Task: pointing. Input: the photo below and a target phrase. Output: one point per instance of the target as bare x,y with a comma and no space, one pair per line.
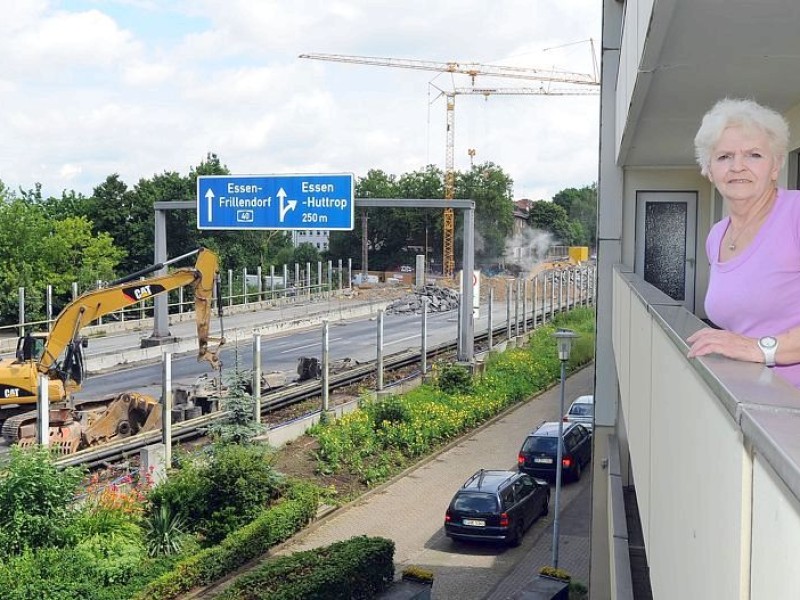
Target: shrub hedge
358,568
382,437
273,526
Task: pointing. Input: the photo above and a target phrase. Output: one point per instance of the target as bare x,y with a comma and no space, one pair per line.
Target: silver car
581,411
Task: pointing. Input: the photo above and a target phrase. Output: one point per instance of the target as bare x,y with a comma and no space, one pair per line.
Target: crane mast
472,70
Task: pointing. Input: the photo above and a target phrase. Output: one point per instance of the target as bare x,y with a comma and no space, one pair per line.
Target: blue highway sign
275,201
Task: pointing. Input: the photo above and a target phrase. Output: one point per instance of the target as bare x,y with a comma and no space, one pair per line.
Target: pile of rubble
440,299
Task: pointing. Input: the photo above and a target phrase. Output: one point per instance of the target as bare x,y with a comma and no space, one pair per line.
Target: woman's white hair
747,114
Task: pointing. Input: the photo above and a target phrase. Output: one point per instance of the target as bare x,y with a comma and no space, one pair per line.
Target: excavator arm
96,303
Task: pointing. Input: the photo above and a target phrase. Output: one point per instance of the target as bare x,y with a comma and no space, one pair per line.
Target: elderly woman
754,253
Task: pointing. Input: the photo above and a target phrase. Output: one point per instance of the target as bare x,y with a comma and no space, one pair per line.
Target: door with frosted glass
665,242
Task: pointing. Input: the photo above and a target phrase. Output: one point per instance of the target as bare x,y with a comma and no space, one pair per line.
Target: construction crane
472,70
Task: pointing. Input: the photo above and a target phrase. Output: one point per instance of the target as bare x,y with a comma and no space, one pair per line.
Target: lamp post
564,339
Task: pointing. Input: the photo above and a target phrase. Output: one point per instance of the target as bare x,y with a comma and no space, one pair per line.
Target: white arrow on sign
210,198
290,204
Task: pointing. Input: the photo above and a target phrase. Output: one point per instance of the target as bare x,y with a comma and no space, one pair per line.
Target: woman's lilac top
757,292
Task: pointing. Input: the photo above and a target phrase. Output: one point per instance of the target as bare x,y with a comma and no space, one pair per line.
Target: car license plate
474,522
545,461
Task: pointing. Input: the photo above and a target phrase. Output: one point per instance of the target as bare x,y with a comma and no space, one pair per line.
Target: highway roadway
354,339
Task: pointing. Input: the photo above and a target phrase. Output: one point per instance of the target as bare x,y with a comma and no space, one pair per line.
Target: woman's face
742,165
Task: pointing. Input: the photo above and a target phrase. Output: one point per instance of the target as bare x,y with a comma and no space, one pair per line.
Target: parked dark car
539,453
496,506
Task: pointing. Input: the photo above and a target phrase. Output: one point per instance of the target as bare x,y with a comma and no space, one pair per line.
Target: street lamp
564,339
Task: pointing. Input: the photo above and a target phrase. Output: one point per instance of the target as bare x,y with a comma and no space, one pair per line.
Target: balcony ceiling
711,49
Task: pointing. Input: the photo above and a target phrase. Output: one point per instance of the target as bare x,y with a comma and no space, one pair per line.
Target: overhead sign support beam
466,347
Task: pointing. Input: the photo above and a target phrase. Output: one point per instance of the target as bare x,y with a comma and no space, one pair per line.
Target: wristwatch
769,346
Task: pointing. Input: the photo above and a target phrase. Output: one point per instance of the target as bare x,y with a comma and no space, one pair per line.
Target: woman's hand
725,343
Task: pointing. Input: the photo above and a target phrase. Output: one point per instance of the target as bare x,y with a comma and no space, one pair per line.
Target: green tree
23,227
39,251
580,205
425,226
81,256
376,184
36,497
552,218
491,189
127,217
70,204
306,253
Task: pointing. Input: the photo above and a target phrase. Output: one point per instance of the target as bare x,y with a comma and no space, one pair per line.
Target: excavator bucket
128,414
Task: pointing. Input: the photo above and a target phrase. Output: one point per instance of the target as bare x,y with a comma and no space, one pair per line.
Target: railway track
127,448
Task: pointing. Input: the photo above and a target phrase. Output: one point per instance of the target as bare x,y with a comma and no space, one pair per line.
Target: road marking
314,345
411,337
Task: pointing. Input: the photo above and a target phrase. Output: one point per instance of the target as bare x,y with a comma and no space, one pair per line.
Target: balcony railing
713,449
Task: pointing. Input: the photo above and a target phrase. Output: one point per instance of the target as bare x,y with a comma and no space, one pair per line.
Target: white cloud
141,73
92,92
67,41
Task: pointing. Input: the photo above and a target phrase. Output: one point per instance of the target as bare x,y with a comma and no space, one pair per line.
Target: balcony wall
714,449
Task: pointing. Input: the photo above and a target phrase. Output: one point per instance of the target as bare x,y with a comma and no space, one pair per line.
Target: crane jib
142,292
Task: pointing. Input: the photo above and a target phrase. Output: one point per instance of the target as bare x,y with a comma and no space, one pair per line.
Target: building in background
317,238
521,209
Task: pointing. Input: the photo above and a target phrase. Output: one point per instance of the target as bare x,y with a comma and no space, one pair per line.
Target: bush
71,573
454,379
392,410
36,499
415,573
555,573
273,526
184,492
111,558
242,483
221,494
360,567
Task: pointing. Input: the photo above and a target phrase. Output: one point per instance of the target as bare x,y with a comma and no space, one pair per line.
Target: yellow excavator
41,353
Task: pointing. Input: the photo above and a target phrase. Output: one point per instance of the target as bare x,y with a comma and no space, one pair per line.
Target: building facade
317,238
710,446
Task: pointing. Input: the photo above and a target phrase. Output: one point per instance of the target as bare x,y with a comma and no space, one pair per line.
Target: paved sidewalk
574,548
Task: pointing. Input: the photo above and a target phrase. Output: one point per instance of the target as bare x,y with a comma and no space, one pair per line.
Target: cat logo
142,292
11,392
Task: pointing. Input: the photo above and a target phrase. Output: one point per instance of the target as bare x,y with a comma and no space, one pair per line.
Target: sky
90,88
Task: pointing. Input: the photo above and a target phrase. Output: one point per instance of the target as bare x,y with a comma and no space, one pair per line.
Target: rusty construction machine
58,356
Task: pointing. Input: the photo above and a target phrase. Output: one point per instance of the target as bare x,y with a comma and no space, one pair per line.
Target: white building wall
776,536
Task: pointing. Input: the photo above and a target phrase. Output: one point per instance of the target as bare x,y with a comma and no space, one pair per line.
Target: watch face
768,342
